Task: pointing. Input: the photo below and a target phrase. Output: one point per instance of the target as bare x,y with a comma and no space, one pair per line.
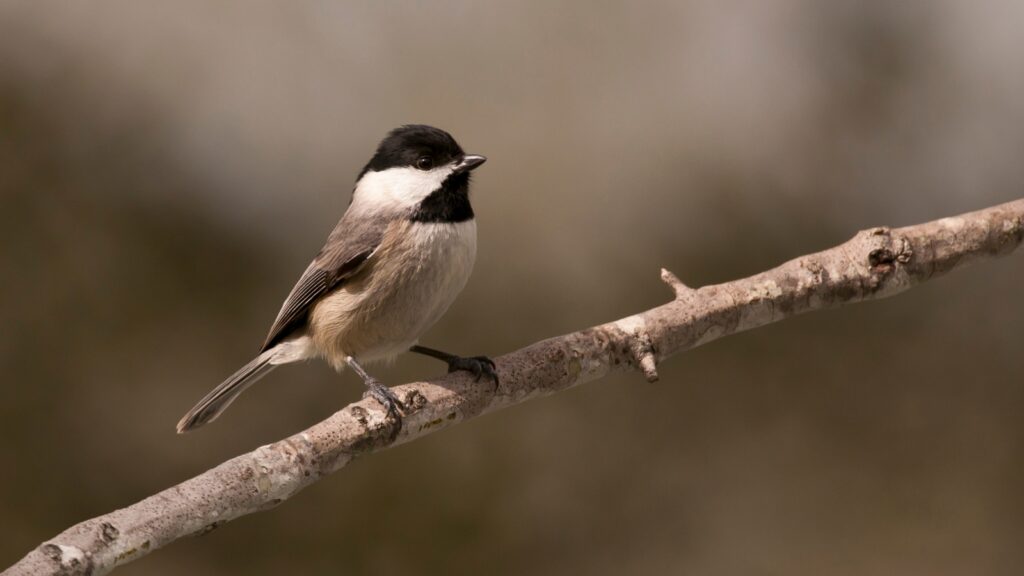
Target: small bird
392,266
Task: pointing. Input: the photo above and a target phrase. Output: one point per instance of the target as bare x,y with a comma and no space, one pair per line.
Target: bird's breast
404,288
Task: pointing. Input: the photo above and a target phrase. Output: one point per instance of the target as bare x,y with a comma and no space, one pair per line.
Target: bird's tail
210,407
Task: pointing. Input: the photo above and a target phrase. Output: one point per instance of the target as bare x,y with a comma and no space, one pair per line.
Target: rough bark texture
874,264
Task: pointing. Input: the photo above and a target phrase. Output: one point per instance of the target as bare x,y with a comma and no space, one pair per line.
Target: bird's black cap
406,145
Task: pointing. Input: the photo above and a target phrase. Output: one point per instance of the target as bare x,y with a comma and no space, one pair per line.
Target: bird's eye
424,162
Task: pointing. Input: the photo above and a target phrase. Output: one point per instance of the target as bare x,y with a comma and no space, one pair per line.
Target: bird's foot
381,393
479,366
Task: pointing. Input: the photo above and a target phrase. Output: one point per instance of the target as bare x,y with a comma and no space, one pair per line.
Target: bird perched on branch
392,266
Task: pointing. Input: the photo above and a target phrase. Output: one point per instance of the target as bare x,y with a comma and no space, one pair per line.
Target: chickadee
394,263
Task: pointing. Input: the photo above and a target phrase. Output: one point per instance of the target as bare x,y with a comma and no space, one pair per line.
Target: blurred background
167,170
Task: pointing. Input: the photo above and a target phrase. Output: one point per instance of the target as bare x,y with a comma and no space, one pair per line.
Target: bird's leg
477,365
378,392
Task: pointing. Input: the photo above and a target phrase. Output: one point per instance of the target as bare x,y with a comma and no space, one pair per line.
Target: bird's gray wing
348,248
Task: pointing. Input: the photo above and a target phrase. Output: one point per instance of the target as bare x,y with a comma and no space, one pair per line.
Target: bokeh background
167,169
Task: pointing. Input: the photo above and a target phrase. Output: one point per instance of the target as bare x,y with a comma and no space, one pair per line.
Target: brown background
168,169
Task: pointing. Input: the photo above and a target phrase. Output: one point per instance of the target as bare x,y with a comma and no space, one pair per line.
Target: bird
401,253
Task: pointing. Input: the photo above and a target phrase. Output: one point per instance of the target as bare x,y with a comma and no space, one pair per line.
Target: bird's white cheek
398,188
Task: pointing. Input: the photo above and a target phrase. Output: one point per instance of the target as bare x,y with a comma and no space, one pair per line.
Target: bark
874,264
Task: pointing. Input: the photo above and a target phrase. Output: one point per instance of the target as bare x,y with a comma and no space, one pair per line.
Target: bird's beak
469,162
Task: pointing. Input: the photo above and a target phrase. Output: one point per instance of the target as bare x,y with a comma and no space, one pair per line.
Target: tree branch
874,264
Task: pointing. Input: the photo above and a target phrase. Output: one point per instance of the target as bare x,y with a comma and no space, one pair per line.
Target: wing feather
348,247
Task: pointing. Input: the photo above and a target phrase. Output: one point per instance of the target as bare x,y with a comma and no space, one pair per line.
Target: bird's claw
479,366
381,393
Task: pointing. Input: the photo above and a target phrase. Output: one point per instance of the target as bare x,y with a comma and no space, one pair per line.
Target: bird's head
420,170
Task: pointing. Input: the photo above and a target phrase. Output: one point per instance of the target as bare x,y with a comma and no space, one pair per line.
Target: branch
874,264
